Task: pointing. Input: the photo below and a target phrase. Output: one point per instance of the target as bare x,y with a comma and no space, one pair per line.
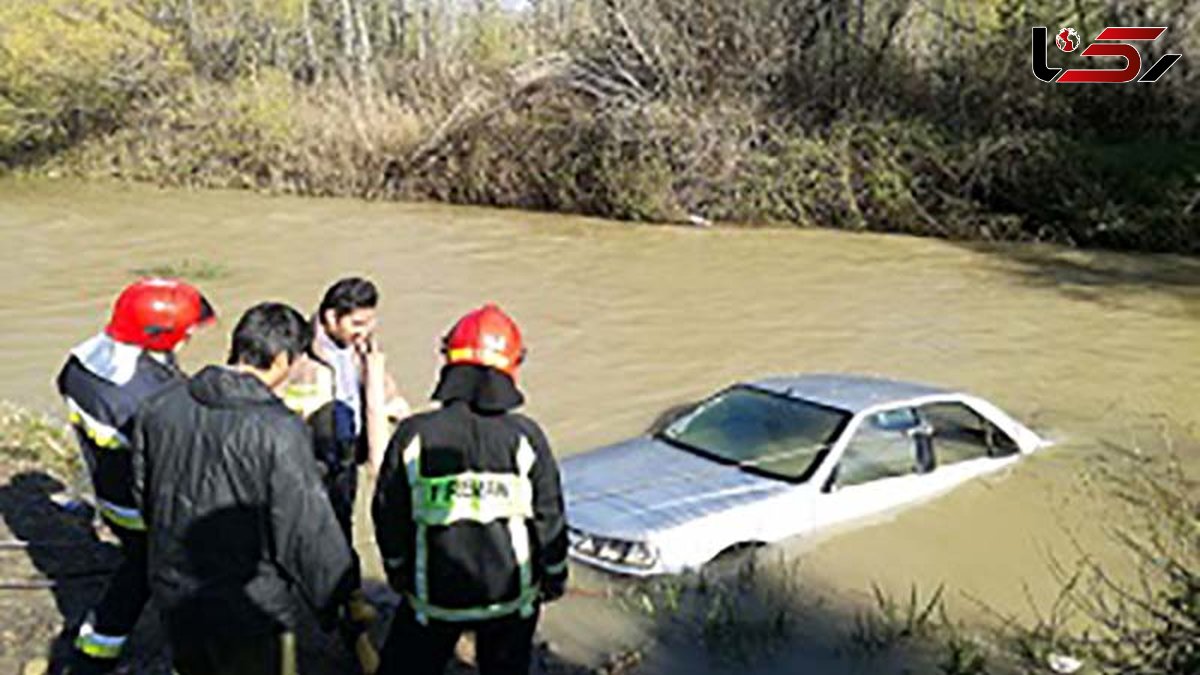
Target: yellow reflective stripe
123,516
412,467
101,434
523,604
303,398
98,645
484,356
480,497
473,496
412,460
555,570
420,573
518,529
518,532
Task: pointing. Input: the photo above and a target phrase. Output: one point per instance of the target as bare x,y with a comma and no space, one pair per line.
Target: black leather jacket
239,525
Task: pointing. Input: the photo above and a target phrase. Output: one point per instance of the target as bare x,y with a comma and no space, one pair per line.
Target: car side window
882,447
960,434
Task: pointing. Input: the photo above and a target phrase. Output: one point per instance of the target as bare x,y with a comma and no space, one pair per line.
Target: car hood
637,487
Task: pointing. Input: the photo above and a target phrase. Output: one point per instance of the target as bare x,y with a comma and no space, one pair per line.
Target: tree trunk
860,29
189,19
840,42
399,32
425,33
346,31
312,63
363,42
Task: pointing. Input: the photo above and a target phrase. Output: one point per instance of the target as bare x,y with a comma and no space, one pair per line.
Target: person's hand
366,344
374,372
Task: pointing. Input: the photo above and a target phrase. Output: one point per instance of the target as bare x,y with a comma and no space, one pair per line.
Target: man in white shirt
343,390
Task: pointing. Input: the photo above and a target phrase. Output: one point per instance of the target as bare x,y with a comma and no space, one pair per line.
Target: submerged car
774,458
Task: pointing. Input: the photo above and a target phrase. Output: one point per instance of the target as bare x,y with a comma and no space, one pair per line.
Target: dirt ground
52,570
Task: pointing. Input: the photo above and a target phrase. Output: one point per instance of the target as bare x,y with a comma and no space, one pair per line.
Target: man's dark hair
347,295
267,329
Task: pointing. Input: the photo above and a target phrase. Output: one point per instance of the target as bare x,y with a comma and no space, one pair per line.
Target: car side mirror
922,437
919,431
670,416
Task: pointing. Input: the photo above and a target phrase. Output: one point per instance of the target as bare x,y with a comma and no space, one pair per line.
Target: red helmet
158,314
486,337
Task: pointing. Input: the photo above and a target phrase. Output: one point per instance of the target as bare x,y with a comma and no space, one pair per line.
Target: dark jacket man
240,527
468,512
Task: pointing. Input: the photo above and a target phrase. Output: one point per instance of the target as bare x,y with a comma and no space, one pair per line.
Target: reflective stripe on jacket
468,514
101,411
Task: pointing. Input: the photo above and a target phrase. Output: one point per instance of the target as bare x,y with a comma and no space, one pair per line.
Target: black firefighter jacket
468,511
240,527
101,412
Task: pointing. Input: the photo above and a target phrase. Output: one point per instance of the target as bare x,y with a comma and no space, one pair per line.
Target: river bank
896,118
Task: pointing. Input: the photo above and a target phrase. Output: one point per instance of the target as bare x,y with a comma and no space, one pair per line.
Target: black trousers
342,486
502,646
122,603
264,655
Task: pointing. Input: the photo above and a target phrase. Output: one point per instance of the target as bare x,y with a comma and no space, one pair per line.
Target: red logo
1112,41
1067,40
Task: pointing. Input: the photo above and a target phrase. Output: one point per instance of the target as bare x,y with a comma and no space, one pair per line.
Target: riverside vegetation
914,116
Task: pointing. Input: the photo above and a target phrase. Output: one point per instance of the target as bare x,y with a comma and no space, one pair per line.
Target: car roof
852,393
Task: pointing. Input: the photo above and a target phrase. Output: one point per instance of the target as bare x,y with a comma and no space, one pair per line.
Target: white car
779,457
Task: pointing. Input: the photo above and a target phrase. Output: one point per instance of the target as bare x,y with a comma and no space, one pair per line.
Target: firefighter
468,511
342,389
104,382
240,526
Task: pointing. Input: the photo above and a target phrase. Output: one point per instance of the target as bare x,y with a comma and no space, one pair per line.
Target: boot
82,664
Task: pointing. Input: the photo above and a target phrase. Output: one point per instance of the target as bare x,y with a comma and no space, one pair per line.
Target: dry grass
31,439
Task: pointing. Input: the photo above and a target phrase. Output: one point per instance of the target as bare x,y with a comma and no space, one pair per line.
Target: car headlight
641,554
618,551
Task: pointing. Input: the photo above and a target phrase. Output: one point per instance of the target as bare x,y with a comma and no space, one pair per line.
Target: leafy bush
71,67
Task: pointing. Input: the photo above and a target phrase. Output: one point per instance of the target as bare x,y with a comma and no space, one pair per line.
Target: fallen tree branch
481,102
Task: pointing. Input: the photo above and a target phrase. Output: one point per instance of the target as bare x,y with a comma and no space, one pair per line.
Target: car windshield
759,430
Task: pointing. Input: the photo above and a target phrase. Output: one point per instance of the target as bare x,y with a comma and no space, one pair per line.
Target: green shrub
70,67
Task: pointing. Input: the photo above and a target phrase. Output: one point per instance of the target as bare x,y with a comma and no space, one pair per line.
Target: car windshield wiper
702,452
755,463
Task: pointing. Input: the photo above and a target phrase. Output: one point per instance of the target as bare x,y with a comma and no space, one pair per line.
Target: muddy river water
624,321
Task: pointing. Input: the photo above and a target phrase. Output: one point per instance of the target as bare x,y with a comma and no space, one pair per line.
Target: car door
964,443
886,464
